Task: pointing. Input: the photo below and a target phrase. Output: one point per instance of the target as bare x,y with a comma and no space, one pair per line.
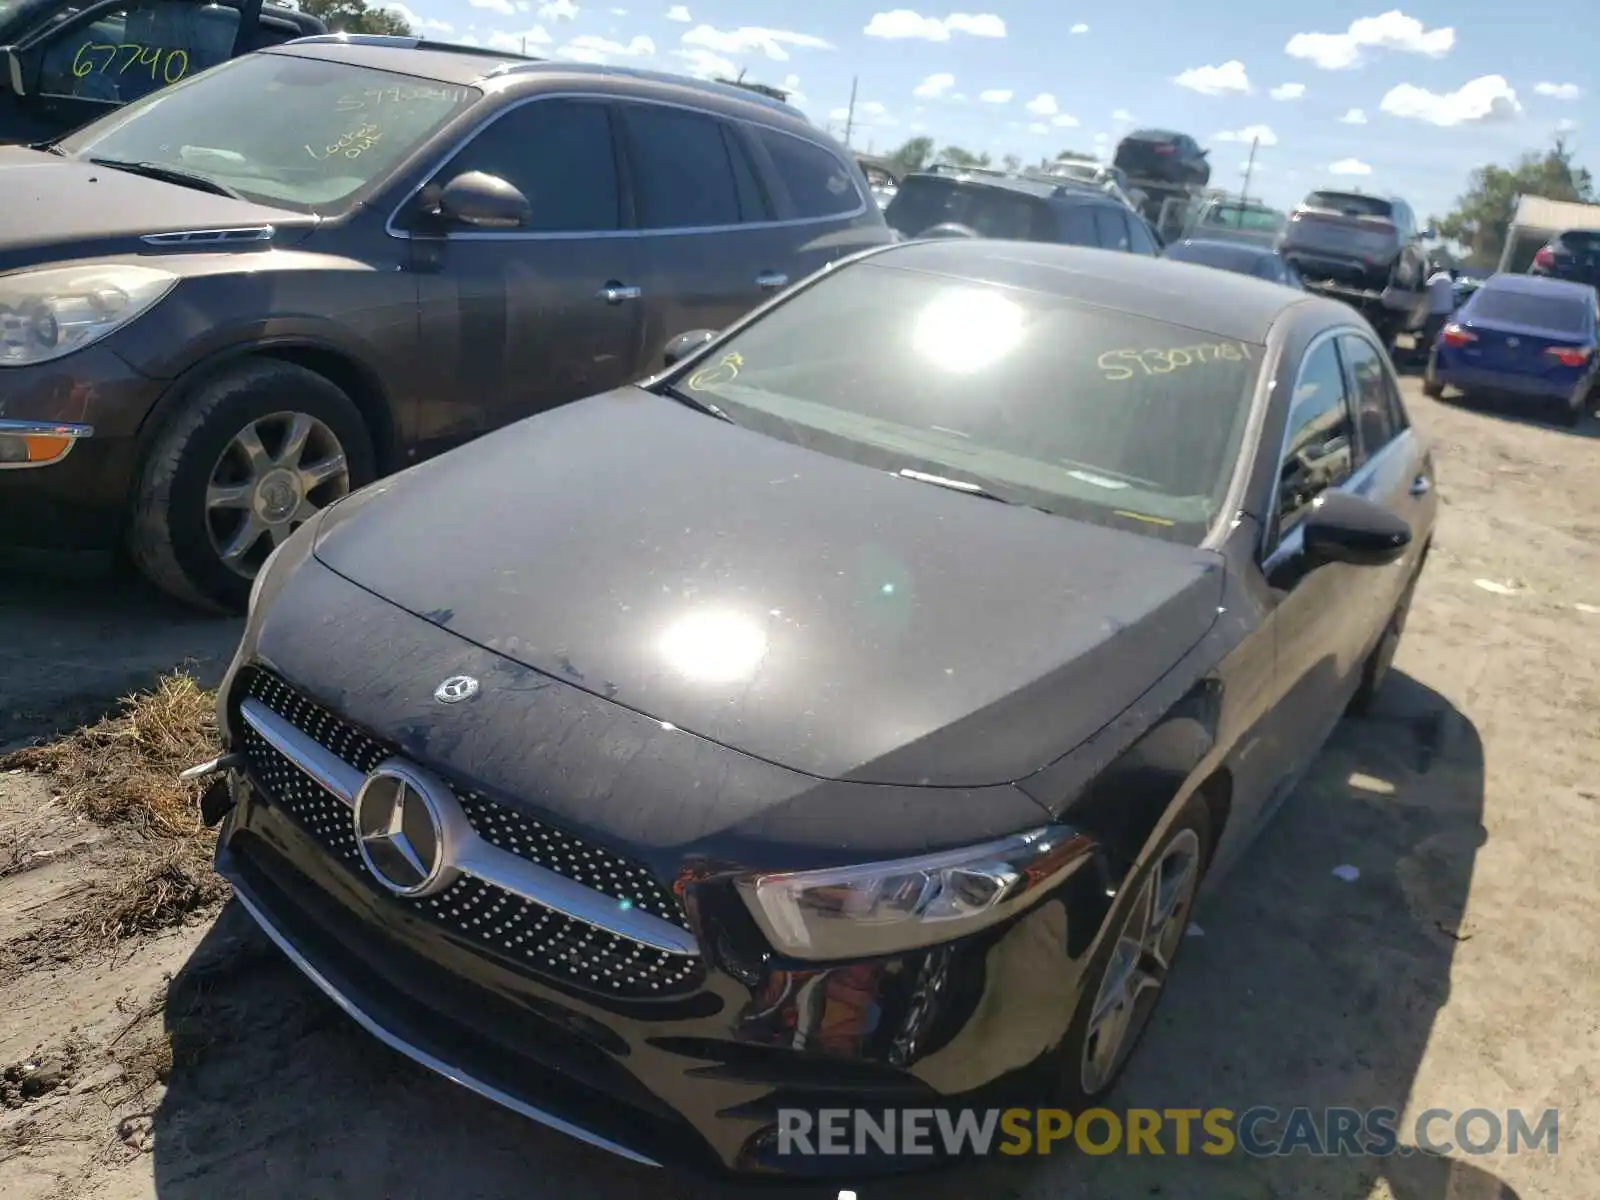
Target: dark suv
1574,256
68,63
235,301
1162,156
1369,242
1027,210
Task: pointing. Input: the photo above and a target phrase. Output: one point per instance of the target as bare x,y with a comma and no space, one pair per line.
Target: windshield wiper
705,406
151,170
963,485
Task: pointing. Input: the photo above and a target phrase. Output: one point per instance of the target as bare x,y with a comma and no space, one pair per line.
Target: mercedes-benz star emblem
403,821
456,689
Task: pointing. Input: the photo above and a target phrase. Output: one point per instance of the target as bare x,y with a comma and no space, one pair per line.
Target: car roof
475,66
1051,189
1539,284
1196,297
1261,249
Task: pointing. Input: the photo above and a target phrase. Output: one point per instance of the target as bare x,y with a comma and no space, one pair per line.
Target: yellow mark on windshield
1120,365
725,371
351,145
1148,520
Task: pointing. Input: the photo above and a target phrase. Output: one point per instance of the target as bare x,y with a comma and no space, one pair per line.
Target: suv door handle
1421,485
616,293
771,281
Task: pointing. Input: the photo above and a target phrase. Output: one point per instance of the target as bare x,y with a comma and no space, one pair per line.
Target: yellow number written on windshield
1120,365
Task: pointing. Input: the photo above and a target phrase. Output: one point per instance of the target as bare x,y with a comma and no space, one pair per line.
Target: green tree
956,156
912,156
1075,154
357,16
1483,212
1012,162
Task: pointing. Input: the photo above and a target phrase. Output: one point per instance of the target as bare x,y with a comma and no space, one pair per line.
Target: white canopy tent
1536,221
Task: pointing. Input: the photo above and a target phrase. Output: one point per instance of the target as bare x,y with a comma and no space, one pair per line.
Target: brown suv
1369,242
215,323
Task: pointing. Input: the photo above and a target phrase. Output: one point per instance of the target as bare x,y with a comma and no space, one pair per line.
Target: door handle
1421,485
616,293
771,281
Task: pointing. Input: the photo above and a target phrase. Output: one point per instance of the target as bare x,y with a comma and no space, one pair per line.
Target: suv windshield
1351,204
1083,411
301,133
924,201
1234,216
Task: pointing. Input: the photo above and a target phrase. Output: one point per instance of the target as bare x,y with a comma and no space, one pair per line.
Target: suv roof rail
396,42
731,90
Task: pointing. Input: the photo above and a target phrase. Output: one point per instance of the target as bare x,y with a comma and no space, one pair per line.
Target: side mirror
484,201
1429,234
685,344
13,75
1346,528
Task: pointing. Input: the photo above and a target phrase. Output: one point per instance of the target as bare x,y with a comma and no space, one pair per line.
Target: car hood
59,209
814,613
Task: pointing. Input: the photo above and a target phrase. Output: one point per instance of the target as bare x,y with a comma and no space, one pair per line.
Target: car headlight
886,907
48,313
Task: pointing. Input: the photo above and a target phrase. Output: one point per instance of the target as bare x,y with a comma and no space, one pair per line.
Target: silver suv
1369,242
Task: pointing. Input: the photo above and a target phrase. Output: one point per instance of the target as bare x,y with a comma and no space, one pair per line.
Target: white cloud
1215,81
1249,134
869,113
1253,168
1100,139
1354,117
558,10
703,64
1566,125
1038,127
996,96
586,47
1122,114
750,39
1559,91
791,84
618,12
1349,166
514,40
679,13
1288,91
425,24
1042,105
1487,98
1064,121
503,7
934,86
1080,27
902,23
1391,31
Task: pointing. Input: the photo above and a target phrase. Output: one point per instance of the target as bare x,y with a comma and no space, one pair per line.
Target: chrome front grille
518,926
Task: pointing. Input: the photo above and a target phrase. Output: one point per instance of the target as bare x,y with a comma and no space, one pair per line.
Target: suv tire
265,441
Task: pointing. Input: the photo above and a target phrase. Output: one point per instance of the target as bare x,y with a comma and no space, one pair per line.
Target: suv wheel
250,456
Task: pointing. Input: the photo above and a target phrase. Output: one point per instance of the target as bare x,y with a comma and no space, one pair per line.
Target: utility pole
524,47
850,114
1249,169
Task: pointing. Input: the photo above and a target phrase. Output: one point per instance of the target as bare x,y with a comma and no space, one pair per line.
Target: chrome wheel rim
1141,958
273,476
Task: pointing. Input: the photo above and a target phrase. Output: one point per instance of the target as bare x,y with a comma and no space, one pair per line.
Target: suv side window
682,172
1319,451
137,49
1076,225
819,185
1377,402
1111,228
1140,240
560,155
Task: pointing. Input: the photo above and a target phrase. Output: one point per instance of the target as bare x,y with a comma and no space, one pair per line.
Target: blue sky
1405,100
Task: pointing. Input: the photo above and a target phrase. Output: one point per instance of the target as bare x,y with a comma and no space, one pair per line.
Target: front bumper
676,1067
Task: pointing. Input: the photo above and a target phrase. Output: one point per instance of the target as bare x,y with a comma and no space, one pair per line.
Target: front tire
1567,413
1129,972
250,455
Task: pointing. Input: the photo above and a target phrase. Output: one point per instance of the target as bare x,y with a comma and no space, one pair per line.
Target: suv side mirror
685,344
1346,528
485,201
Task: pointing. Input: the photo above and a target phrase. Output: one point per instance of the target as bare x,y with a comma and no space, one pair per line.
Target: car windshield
1563,314
1076,170
924,201
1083,411
1233,216
301,133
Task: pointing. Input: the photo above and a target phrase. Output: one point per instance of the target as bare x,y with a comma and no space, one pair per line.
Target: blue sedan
1521,337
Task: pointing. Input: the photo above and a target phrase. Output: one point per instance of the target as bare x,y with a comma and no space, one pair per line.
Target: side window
817,182
132,51
559,154
1077,227
1319,451
1111,228
682,173
753,205
1139,239
1377,401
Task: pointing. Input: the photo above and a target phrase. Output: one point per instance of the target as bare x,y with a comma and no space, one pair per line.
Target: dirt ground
1460,969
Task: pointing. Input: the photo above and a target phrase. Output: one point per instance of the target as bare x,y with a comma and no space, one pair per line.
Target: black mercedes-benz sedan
846,716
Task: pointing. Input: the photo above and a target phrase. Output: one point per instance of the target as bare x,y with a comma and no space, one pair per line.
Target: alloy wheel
1141,959
273,476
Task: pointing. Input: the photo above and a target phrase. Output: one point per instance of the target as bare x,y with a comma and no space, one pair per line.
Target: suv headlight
48,313
886,907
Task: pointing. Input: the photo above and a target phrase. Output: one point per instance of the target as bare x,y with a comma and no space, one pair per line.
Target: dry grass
123,771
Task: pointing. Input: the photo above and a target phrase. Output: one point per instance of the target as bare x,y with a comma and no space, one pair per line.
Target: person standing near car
1441,303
